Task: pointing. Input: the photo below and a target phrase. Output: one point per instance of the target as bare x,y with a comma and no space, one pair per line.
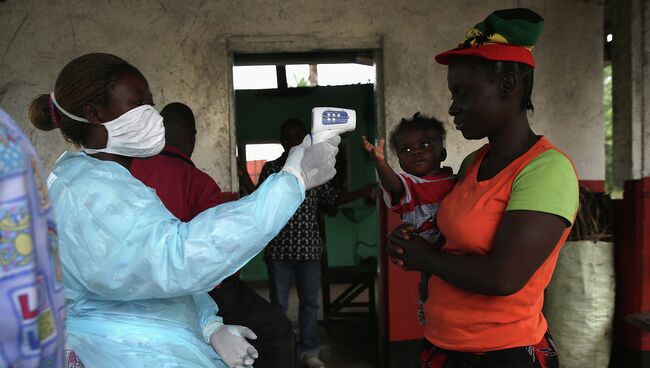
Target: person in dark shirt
185,190
296,251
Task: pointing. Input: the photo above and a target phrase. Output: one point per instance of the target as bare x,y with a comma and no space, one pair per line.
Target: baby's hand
377,151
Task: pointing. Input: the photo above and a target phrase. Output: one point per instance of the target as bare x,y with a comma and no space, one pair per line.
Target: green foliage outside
302,82
607,106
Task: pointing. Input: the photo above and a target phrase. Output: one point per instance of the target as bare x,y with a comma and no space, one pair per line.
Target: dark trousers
541,355
307,276
239,304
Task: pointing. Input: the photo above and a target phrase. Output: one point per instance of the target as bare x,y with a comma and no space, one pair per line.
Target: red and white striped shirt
422,196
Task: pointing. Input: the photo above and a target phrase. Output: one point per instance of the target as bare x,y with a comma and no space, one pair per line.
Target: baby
416,192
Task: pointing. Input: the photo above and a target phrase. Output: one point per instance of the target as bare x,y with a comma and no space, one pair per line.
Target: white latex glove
229,341
313,165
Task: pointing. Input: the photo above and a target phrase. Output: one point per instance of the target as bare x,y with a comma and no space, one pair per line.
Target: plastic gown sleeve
206,312
120,243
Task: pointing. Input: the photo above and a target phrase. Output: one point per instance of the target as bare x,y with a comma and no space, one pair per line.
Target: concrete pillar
631,166
631,90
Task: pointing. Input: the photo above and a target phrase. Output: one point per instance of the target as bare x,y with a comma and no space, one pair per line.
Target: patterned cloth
72,360
300,239
31,280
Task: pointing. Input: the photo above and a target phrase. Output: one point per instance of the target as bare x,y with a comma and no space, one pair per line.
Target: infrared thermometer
327,122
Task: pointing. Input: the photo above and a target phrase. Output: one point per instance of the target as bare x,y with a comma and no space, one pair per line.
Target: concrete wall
183,49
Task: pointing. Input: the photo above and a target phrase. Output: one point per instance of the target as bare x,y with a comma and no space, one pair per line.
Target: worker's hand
229,341
377,151
313,164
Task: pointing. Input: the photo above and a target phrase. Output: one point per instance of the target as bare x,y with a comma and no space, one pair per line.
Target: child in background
417,192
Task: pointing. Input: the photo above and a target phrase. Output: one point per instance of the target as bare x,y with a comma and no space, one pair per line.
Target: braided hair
87,79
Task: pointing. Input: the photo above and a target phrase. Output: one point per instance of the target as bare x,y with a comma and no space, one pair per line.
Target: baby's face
419,151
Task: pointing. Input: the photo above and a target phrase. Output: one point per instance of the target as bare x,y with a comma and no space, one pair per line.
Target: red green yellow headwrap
505,35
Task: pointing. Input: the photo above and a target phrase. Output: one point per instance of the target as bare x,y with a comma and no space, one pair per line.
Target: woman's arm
119,242
542,204
523,242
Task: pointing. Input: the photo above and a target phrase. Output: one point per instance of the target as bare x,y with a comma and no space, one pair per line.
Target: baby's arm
389,180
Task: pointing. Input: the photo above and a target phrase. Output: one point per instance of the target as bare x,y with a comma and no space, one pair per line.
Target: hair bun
39,113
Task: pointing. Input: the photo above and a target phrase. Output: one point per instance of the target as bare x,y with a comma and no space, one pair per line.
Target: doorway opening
270,88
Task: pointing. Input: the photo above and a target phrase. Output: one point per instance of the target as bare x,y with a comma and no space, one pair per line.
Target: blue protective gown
136,277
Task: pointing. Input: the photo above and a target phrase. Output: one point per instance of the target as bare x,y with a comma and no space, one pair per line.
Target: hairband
71,116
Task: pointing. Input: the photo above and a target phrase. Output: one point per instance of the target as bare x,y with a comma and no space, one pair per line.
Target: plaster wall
183,49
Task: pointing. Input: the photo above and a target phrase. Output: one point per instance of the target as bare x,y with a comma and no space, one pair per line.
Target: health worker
135,276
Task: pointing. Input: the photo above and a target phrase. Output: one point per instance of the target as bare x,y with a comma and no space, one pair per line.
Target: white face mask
136,133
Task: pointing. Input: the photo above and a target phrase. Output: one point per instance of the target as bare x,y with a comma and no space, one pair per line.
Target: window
254,77
297,75
257,155
279,73
338,74
343,74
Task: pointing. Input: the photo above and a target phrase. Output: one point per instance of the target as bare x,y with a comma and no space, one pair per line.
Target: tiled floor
343,343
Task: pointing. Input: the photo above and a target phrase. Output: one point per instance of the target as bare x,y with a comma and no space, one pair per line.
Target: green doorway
270,88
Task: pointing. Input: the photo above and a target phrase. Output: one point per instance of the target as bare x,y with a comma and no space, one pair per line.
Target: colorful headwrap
505,35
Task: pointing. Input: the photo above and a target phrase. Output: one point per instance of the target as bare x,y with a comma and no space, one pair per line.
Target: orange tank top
464,321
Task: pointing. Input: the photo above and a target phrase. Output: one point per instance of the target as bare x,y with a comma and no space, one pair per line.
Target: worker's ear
92,113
